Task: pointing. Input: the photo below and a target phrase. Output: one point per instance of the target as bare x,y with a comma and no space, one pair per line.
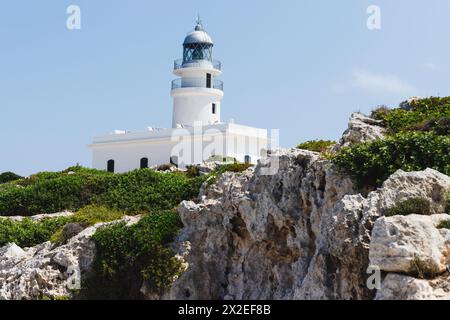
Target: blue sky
298,66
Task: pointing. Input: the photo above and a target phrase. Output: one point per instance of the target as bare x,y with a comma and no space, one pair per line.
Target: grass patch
28,233
410,206
317,145
422,270
90,215
444,224
85,217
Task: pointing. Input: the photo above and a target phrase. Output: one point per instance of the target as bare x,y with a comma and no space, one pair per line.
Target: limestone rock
300,233
361,129
10,255
402,287
40,217
45,270
397,241
407,105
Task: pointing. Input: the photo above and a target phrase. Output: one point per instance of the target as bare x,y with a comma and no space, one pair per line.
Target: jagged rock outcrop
406,245
402,287
45,270
302,233
407,104
361,129
397,241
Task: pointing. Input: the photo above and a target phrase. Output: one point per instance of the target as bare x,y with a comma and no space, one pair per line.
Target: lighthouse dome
198,36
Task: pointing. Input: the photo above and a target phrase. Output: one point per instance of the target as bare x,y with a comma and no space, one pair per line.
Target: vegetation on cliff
418,139
8,176
77,187
317,145
126,255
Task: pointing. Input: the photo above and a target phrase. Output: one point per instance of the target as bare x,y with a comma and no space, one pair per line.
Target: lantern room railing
197,83
179,64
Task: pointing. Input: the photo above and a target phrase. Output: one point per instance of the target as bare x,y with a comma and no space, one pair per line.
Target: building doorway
110,166
144,163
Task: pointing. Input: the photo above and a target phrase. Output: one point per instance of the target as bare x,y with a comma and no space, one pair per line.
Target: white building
197,133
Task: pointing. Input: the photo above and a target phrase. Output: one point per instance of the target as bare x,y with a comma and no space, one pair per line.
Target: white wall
224,140
193,101
191,105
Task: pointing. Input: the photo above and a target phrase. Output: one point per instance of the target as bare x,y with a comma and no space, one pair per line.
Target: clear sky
301,66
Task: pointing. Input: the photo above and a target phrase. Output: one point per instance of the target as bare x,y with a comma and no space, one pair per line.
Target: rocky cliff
304,232
307,233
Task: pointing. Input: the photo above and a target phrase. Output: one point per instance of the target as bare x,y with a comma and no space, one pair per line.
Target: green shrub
92,214
380,113
220,158
317,145
448,203
422,112
83,218
234,167
147,190
371,163
27,233
439,126
74,189
67,232
423,270
8,177
128,255
410,206
193,171
444,224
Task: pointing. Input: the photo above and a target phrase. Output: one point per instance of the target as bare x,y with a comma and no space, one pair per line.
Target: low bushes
128,255
317,145
90,215
422,270
419,138
85,217
371,163
430,110
8,176
410,206
147,190
234,167
77,187
444,224
27,233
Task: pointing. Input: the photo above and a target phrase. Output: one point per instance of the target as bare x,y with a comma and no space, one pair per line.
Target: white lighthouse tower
197,132
197,93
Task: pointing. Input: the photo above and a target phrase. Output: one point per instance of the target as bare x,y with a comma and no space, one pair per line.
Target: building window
144,163
214,108
110,166
208,80
248,159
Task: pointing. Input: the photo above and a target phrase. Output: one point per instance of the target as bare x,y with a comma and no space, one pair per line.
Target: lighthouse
197,93
197,134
